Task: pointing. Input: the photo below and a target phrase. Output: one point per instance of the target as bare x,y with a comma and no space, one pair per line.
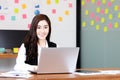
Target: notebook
57,60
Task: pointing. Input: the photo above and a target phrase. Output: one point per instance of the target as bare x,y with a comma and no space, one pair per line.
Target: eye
46,26
38,27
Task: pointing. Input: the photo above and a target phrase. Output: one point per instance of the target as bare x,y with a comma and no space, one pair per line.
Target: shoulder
52,44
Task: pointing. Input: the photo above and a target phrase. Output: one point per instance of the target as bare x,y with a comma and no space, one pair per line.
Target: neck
42,43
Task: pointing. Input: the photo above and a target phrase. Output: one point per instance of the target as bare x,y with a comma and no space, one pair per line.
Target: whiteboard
62,14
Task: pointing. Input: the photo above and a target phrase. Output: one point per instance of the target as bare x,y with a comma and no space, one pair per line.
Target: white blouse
20,60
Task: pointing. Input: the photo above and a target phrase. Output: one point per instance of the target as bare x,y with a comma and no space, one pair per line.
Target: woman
37,37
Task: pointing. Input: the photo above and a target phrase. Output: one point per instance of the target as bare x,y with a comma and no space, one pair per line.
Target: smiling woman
37,37
42,32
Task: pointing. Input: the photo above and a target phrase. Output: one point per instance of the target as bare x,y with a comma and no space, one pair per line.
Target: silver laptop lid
58,60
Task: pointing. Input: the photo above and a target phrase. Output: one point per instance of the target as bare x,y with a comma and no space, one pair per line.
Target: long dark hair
31,38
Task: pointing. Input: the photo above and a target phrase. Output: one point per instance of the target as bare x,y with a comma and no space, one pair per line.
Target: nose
42,29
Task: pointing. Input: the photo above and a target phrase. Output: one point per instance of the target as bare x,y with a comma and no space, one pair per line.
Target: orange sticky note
60,18
48,2
23,6
66,12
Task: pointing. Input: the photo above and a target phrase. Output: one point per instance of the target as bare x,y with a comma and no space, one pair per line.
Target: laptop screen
58,60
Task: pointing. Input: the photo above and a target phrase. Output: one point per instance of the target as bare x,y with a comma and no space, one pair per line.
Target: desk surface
71,76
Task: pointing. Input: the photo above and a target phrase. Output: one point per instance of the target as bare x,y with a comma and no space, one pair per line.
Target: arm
20,61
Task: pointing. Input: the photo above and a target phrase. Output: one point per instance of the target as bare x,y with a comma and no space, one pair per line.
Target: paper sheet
16,74
100,72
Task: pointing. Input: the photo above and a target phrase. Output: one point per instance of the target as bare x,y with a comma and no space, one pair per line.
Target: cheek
47,31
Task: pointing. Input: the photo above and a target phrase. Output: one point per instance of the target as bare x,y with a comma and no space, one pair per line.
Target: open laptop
57,60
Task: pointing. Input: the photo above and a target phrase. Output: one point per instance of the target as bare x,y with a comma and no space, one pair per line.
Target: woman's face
42,30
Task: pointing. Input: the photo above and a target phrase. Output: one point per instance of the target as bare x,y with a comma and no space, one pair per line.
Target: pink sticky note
70,5
109,4
97,18
53,11
102,11
98,3
24,16
87,1
2,17
119,7
92,15
110,25
29,26
16,1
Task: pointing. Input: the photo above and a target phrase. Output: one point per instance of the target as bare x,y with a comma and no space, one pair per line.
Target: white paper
110,71
81,73
16,74
100,72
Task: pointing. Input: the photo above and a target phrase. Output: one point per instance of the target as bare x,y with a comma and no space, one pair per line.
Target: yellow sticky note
83,3
110,16
104,1
116,25
60,18
83,24
102,20
92,22
48,2
119,15
97,27
15,50
105,29
16,10
98,10
112,0
93,1
116,8
106,11
23,6
86,12
56,1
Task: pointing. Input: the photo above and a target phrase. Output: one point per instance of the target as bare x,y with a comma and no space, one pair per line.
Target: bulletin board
100,33
17,15
100,15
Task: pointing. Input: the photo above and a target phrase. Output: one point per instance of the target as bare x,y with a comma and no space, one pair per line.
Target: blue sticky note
0,7
37,6
36,12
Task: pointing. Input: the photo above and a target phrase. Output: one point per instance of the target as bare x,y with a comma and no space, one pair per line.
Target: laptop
57,60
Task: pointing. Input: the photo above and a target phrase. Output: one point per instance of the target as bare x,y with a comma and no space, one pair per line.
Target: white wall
19,16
